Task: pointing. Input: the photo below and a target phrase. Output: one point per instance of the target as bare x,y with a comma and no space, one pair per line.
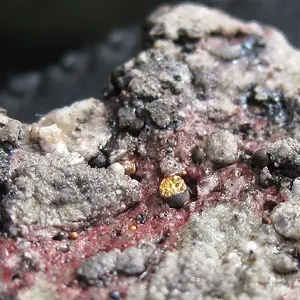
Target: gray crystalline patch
226,253
131,261
11,131
285,151
5,168
188,275
221,225
286,219
145,87
128,119
285,156
175,74
155,90
162,72
96,267
51,191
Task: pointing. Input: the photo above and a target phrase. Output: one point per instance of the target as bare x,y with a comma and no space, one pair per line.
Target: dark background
55,52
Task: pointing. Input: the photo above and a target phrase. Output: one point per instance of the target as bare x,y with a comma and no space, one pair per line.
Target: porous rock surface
211,99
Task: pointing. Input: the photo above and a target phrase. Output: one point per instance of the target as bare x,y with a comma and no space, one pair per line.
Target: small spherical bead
132,227
73,235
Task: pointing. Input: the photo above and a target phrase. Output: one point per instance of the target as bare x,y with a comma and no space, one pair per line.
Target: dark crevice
136,177
287,169
270,104
187,42
269,205
192,186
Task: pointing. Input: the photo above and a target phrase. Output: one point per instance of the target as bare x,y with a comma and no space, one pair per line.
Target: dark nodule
179,200
260,158
100,161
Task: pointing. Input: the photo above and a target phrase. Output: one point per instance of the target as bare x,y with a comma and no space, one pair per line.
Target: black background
35,34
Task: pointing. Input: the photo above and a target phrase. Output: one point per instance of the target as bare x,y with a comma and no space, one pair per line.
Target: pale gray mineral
285,151
170,166
222,148
286,219
219,259
81,128
285,155
284,264
96,267
11,131
56,190
132,261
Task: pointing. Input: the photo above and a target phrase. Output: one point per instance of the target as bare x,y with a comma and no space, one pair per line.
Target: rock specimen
209,111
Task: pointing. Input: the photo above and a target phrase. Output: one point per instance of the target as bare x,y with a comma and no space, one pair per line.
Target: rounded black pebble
260,158
99,161
61,235
179,200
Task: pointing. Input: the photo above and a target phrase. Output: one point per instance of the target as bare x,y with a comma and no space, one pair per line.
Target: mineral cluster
182,182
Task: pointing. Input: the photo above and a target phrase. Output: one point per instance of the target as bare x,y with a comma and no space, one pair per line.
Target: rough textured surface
133,261
55,191
221,239
222,148
80,128
212,101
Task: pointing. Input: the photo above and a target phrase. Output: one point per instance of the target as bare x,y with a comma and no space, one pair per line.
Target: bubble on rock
174,191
